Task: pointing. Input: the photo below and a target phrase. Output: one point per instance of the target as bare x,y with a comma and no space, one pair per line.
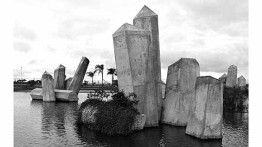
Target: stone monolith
241,81
223,78
134,63
180,88
205,119
231,76
79,75
59,77
67,82
48,92
148,20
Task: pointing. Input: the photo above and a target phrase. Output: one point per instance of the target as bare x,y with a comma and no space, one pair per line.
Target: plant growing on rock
115,116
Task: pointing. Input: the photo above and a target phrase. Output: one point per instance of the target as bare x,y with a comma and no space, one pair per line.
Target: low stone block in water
48,92
180,88
205,120
60,95
79,75
59,77
139,122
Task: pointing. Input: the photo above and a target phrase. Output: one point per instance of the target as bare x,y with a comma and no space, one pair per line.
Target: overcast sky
52,32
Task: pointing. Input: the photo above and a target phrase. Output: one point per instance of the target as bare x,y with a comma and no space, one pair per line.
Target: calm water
53,124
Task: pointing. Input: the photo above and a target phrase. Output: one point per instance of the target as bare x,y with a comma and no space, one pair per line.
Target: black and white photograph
130,73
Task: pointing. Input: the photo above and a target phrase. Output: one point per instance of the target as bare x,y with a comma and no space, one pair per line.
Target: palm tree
100,69
91,74
111,71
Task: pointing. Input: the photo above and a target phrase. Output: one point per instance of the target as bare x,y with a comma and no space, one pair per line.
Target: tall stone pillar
134,63
241,81
59,77
48,92
231,76
79,75
180,89
205,121
148,20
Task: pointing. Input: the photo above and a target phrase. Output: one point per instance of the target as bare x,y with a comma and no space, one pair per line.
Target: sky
52,32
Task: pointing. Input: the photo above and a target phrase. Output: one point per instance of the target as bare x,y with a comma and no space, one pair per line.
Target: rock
241,81
180,89
67,82
231,76
223,78
77,80
59,77
139,122
36,94
205,120
48,92
148,20
135,73
60,95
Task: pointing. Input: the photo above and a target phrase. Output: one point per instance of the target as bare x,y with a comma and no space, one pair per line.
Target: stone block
59,77
134,65
67,82
180,88
148,20
60,95
79,75
48,92
231,76
139,122
241,81
205,119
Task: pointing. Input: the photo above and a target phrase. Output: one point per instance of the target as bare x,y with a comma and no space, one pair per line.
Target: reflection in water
38,123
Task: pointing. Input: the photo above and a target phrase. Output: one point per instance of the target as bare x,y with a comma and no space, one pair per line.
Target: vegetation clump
234,99
115,116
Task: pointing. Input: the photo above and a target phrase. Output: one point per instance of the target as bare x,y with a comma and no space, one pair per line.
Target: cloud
24,33
22,47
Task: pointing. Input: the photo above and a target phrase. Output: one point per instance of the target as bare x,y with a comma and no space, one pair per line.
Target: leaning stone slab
231,80
60,95
77,80
59,77
48,92
205,120
135,70
223,78
148,20
180,89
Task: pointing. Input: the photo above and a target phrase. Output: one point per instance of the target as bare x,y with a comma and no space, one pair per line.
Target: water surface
38,123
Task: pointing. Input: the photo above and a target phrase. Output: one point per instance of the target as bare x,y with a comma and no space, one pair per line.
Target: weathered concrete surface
231,76
48,92
139,122
205,121
67,82
60,95
134,65
59,77
223,78
163,89
180,88
241,81
148,20
36,94
77,80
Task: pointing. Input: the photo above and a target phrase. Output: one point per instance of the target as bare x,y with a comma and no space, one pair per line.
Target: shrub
115,116
234,98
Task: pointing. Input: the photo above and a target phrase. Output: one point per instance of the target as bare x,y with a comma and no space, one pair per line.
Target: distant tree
91,74
111,71
100,69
